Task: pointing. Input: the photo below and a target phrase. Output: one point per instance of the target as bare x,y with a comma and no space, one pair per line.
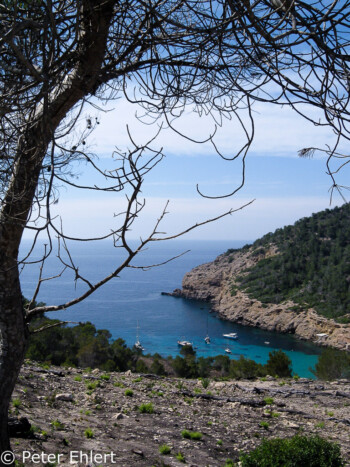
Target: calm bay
135,297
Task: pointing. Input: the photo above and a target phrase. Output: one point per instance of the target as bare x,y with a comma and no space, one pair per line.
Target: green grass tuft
164,449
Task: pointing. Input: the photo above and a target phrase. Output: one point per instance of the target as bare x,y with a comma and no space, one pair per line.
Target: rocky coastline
213,282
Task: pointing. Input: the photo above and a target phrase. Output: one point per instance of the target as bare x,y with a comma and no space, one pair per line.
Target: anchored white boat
227,350
138,344
184,343
231,335
207,338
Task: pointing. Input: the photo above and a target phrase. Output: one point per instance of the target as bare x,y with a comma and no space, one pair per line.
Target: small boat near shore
207,338
227,350
231,335
138,344
184,343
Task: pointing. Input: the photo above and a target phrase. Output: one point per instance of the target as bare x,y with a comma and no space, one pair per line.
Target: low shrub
16,403
180,457
146,408
117,384
205,383
194,435
57,425
88,433
264,425
91,385
164,449
299,451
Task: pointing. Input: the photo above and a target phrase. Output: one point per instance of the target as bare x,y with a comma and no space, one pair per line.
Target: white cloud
278,131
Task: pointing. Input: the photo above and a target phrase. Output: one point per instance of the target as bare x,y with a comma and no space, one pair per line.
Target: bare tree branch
50,326
166,57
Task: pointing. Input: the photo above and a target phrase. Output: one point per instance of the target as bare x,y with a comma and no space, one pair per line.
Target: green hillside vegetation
312,267
79,346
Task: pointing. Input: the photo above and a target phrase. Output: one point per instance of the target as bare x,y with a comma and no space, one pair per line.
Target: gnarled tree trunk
13,338
20,194
16,208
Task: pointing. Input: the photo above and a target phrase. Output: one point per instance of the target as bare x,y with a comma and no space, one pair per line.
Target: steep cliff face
216,282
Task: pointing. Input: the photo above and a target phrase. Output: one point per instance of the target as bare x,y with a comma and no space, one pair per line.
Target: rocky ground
213,282
93,418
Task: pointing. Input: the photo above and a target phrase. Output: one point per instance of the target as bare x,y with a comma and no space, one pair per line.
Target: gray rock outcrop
215,281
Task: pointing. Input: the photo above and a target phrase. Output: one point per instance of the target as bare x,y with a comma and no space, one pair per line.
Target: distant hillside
285,281
311,267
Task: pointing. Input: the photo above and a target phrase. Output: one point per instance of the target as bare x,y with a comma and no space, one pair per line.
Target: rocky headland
90,418
214,282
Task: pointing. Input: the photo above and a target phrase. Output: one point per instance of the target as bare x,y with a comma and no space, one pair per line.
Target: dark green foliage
194,435
258,252
245,368
230,251
204,366
187,351
233,290
164,449
185,367
299,451
312,267
80,345
180,457
279,364
221,364
89,433
141,366
157,367
146,408
332,364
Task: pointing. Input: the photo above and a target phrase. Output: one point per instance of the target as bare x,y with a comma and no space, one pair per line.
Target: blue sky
285,187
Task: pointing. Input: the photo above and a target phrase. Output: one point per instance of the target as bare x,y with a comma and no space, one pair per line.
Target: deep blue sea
135,297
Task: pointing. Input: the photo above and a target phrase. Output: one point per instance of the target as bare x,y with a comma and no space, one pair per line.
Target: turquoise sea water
135,297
